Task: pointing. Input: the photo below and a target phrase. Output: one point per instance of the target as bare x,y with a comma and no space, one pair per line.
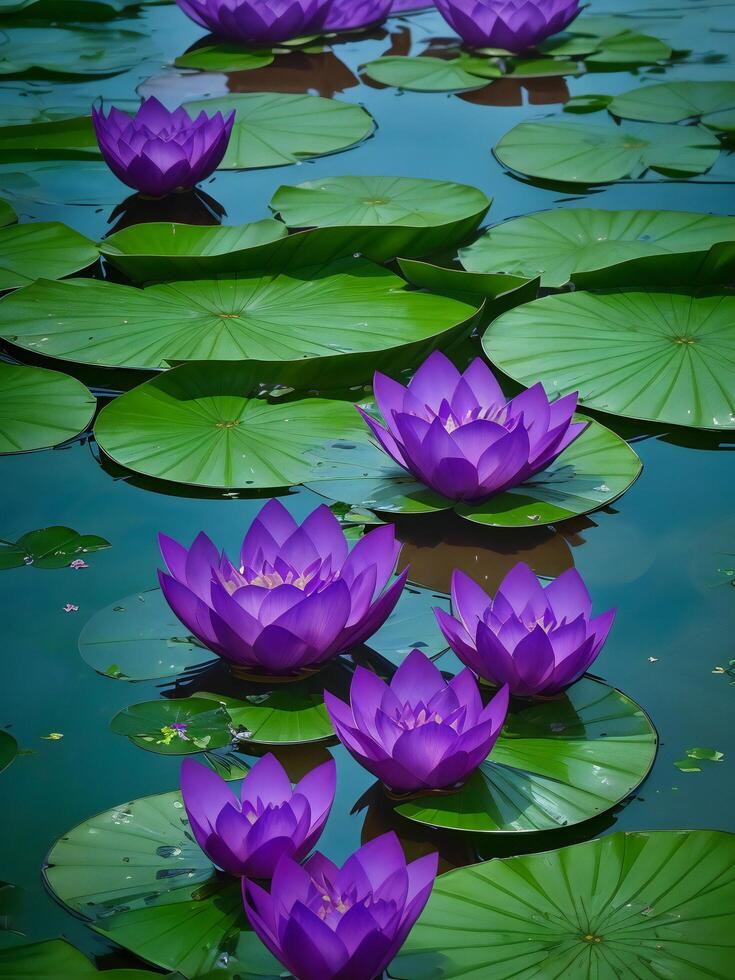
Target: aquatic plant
258,21
296,599
419,732
157,151
248,836
459,435
511,25
536,640
328,923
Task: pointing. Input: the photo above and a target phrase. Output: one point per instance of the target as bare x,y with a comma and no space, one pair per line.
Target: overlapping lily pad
557,763
273,129
351,308
425,74
7,214
195,425
179,727
88,50
503,290
593,247
40,408
664,357
591,473
8,749
224,57
139,638
631,904
671,102
575,152
58,959
69,138
49,547
136,872
42,250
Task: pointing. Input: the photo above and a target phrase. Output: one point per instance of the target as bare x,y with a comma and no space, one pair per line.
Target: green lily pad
662,357
49,547
351,308
40,408
8,749
415,216
587,103
58,959
629,48
575,152
151,726
412,625
224,57
290,714
440,279
423,74
542,68
557,763
656,904
7,214
42,250
88,50
163,250
138,638
594,471
673,102
196,425
596,248
71,138
273,129
137,873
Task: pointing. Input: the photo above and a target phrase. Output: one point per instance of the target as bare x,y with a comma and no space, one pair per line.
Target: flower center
334,903
271,580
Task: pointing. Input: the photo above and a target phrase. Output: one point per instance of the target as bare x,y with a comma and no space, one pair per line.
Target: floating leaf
575,152
70,50
163,250
70,138
542,68
351,308
8,749
58,959
603,248
663,357
273,129
673,102
195,425
596,469
7,214
42,250
224,57
557,763
40,408
656,904
587,103
178,727
629,48
457,281
139,638
136,871
423,74
49,547
711,755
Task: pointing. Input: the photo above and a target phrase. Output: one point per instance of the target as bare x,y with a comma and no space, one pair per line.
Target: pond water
663,554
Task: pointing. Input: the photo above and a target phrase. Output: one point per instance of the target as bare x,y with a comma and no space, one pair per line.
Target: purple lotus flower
258,21
348,15
271,819
296,599
328,923
534,640
513,25
157,151
418,732
406,6
458,434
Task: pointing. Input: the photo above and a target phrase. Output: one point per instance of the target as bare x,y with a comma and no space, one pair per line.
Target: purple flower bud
513,25
157,151
419,732
534,640
271,819
348,15
296,599
460,436
258,21
328,923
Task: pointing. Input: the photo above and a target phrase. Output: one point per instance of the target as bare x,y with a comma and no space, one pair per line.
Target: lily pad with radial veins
42,249
575,152
673,102
644,904
40,408
664,357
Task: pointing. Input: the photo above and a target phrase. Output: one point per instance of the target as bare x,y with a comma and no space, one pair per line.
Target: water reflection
434,548
321,73
194,207
517,92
